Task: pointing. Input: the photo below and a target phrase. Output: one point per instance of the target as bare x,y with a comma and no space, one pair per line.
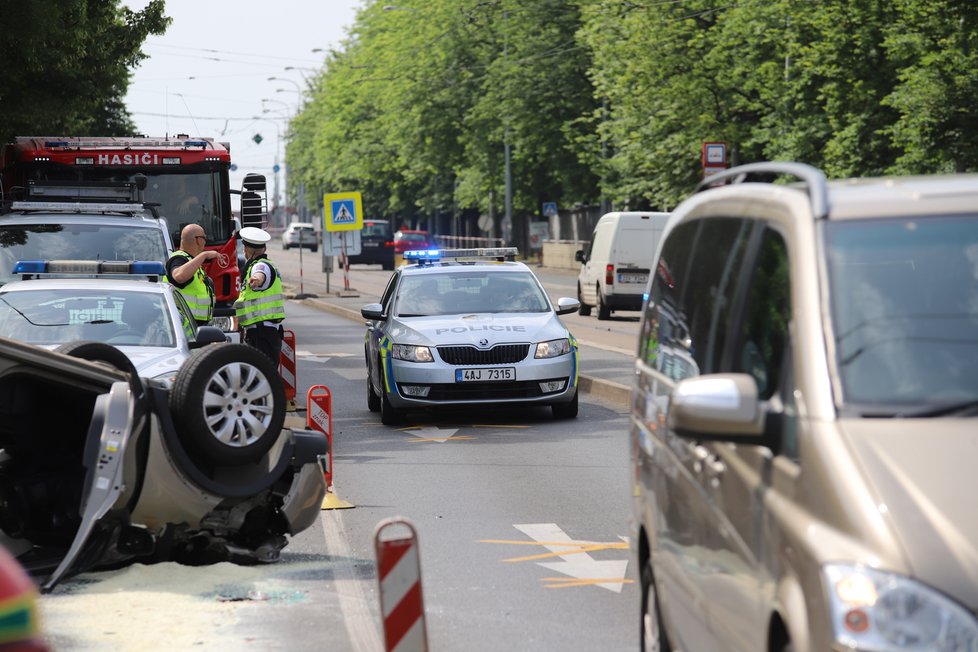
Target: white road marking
360,624
576,564
433,433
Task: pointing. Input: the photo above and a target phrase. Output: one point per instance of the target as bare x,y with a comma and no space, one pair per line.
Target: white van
615,266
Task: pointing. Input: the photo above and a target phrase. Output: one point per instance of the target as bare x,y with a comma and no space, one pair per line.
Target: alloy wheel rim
238,404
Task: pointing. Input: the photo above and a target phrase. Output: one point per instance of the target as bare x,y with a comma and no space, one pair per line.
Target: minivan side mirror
579,256
717,407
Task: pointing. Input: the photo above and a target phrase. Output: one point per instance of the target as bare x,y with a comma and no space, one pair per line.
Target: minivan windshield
904,302
77,242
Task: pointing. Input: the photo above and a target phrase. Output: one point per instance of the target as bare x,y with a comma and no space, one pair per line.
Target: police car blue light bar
419,255
432,255
90,267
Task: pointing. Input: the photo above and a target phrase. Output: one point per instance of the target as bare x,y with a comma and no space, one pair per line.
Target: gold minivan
804,420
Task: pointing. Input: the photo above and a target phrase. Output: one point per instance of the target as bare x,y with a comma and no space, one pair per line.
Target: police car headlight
412,353
553,348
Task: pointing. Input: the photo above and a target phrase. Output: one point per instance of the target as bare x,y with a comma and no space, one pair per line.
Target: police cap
254,236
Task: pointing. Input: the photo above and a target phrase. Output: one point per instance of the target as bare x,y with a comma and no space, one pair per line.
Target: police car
67,304
468,327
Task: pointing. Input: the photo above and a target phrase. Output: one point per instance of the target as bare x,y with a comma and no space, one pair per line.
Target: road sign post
343,212
714,158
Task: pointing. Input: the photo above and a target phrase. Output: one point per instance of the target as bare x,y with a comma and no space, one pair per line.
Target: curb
608,390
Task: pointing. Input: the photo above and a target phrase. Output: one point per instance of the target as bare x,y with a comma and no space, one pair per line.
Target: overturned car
100,467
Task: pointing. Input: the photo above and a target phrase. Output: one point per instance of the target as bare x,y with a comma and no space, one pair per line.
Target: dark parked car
376,244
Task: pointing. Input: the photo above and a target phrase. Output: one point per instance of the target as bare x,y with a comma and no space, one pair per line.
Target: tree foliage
66,65
614,98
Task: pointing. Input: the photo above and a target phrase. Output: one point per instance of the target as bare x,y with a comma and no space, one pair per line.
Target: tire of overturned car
106,354
228,404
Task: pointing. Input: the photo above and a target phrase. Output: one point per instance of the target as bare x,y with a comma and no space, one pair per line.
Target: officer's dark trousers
267,339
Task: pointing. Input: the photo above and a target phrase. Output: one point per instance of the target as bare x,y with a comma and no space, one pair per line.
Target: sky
208,74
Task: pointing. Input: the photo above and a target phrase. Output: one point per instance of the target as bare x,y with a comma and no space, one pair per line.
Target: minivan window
764,332
691,296
904,301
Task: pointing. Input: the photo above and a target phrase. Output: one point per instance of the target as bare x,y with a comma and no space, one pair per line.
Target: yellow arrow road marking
573,555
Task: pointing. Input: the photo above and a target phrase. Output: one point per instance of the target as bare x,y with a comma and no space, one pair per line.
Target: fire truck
187,180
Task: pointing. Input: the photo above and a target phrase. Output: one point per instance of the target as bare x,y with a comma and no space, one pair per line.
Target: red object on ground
287,364
319,416
399,576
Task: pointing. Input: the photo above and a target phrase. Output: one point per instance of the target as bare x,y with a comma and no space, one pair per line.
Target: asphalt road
521,523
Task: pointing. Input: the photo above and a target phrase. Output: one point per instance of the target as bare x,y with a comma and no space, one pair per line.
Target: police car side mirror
373,312
566,305
208,335
579,256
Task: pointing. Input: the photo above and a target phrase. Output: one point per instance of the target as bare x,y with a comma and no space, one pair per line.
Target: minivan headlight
874,611
412,353
553,348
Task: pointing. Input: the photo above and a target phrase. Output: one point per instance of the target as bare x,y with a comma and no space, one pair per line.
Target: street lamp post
298,88
275,170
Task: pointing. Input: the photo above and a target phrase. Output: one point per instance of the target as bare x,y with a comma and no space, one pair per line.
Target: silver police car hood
152,361
480,330
923,472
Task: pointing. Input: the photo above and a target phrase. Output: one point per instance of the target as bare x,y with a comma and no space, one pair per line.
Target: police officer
261,306
184,271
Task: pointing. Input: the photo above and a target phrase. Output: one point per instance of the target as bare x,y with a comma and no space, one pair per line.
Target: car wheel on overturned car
106,354
228,404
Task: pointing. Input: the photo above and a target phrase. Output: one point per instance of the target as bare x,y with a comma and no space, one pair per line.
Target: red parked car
407,240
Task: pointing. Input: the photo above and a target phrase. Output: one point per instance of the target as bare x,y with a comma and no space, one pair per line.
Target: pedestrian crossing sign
343,212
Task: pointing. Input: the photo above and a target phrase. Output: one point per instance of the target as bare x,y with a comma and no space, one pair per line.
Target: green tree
935,46
66,65
417,105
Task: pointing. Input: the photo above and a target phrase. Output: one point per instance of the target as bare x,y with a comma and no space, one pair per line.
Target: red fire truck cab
186,177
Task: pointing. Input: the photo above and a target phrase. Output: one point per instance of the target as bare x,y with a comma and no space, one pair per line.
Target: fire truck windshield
182,197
